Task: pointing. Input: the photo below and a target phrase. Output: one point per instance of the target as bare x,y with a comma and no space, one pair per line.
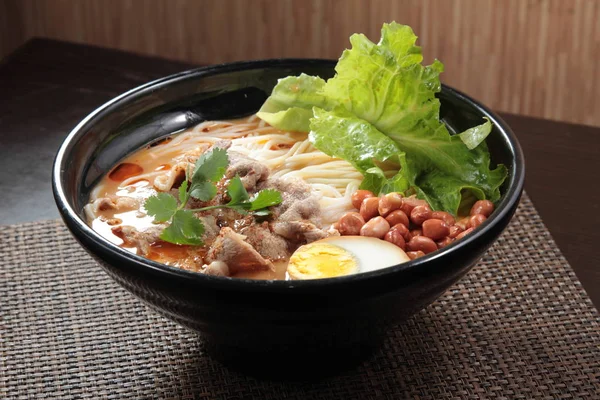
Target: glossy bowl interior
242,318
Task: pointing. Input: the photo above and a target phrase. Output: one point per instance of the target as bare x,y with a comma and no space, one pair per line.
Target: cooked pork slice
192,156
298,200
300,231
222,144
116,203
176,174
173,177
268,244
250,171
307,209
216,268
211,229
141,240
231,248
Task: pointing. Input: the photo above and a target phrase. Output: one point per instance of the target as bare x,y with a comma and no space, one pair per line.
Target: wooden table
46,87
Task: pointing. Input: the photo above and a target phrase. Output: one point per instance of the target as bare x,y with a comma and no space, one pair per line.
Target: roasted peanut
389,203
376,227
484,207
408,203
412,200
415,254
403,230
350,224
407,208
464,233
444,216
444,242
455,230
476,220
395,237
419,214
416,232
435,229
462,223
358,197
397,217
368,208
422,243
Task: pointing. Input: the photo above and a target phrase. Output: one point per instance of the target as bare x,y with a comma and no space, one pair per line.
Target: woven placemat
518,326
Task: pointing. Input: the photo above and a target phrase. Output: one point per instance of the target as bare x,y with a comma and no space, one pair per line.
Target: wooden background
533,57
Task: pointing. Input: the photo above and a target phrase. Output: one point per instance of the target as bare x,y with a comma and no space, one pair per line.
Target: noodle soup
262,198
116,204
321,202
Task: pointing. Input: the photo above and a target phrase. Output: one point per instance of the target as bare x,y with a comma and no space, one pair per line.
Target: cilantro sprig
184,227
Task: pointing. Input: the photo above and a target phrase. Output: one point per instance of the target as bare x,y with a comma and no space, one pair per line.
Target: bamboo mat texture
518,326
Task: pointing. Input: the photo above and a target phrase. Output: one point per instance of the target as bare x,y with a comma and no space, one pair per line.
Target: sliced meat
250,171
300,232
116,203
224,144
268,244
307,209
192,156
141,240
216,268
211,229
231,248
175,176
298,200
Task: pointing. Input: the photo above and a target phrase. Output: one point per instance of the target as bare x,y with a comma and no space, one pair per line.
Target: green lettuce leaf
381,106
360,143
472,137
391,91
440,168
290,105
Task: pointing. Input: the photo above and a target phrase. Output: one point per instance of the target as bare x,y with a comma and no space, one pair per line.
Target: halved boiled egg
343,255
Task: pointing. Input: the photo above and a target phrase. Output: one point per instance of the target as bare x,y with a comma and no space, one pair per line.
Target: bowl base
295,366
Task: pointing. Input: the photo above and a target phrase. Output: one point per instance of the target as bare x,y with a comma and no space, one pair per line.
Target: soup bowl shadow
254,323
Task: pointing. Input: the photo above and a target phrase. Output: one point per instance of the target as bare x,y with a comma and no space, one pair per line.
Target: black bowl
253,321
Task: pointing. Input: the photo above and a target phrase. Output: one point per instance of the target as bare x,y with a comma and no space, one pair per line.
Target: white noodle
286,154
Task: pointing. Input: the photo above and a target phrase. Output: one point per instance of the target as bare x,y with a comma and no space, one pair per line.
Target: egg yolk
321,260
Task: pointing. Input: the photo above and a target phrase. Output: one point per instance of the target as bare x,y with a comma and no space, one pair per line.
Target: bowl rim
70,216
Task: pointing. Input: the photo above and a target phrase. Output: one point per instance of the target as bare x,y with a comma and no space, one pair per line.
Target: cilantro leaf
183,195
161,206
265,198
241,201
203,191
210,166
237,192
185,228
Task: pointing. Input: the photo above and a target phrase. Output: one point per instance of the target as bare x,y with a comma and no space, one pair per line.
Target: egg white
372,253
369,254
